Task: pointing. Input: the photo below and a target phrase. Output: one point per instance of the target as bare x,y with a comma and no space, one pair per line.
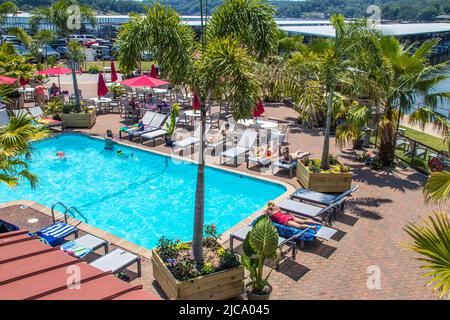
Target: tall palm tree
59,15
14,146
224,62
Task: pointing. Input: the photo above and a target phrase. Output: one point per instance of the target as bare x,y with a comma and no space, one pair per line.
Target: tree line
421,10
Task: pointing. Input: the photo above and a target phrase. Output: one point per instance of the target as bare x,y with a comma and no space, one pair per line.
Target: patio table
264,124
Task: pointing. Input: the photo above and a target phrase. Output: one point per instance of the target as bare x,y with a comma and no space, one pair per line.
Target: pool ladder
68,211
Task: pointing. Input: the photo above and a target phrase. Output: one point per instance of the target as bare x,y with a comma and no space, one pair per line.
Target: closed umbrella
195,102
114,76
7,80
258,109
23,82
153,72
102,89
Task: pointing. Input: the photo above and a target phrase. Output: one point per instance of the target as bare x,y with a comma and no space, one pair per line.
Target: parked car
86,39
21,51
47,51
63,52
102,53
11,39
58,43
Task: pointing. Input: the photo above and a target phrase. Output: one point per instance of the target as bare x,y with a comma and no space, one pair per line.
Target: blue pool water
137,199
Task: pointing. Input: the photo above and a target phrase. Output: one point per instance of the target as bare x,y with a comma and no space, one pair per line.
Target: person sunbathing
223,134
278,216
288,157
265,152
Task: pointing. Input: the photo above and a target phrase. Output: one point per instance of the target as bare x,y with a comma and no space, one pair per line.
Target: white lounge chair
146,119
156,134
244,145
264,159
117,261
4,118
38,114
221,142
156,124
191,141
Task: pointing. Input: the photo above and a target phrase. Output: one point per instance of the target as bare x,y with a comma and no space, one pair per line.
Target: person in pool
120,153
61,155
278,216
109,140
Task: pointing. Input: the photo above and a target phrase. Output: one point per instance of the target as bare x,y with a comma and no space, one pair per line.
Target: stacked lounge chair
156,123
155,134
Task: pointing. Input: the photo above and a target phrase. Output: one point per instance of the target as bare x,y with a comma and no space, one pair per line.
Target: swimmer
61,155
109,142
120,153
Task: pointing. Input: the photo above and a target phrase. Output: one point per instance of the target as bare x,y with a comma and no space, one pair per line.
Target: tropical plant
174,114
437,188
6,8
260,244
14,65
432,241
63,16
350,131
14,146
55,108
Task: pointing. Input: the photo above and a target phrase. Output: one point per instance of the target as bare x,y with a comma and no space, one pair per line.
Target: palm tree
6,8
59,15
238,32
14,146
432,241
397,85
14,65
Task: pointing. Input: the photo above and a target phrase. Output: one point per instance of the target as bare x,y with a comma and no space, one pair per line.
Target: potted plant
55,109
172,123
338,178
72,119
260,244
220,276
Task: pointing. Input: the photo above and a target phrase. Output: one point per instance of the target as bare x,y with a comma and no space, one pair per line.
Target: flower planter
79,120
324,181
225,284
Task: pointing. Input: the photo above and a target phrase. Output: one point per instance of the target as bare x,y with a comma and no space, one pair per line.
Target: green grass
146,65
426,139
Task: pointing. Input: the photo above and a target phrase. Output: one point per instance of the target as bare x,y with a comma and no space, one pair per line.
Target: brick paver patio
370,230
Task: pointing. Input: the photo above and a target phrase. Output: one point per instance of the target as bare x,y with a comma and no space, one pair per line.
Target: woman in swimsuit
276,215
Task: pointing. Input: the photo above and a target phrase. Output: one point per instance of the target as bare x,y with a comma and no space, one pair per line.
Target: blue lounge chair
54,234
7,227
326,199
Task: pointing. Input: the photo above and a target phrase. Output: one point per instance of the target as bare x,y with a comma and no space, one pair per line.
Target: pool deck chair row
114,261
244,145
190,141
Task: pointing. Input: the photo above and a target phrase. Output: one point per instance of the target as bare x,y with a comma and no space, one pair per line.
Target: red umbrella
7,80
258,109
101,85
153,72
195,102
144,81
114,76
23,82
55,71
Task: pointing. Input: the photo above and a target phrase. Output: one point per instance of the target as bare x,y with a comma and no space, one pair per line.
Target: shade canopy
55,71
102,89
7,80
144,81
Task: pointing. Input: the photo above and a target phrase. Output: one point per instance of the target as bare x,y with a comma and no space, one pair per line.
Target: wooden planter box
220,285
79,120
323,182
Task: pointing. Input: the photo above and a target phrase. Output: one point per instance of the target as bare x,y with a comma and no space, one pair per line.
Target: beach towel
74,249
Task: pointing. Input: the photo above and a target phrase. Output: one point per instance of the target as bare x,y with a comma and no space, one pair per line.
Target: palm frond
437,188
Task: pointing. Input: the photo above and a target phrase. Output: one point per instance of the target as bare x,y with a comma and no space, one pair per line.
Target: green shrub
94,69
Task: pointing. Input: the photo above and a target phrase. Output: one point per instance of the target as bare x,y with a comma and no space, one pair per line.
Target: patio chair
244,145
38,115
326,199
54,234
191,141
311,211
117,261
266,154
156,124
289,166
184,120
146,120
20,112
213,120
4,118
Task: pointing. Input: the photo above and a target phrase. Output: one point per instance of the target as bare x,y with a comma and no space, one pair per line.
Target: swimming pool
139,199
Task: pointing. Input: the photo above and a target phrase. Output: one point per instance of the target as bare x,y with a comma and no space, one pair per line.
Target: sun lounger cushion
55,233
75,249
115,261
234,152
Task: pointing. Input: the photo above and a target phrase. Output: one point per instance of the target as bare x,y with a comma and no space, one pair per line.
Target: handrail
73,216
53,213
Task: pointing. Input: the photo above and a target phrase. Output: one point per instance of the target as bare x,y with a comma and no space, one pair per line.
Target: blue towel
55,233
74,249
288,232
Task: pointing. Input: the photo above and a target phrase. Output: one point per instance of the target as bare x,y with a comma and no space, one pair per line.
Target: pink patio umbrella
7,80
102,89
114,76
258,109
144,81
55,71
195,101
153,72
